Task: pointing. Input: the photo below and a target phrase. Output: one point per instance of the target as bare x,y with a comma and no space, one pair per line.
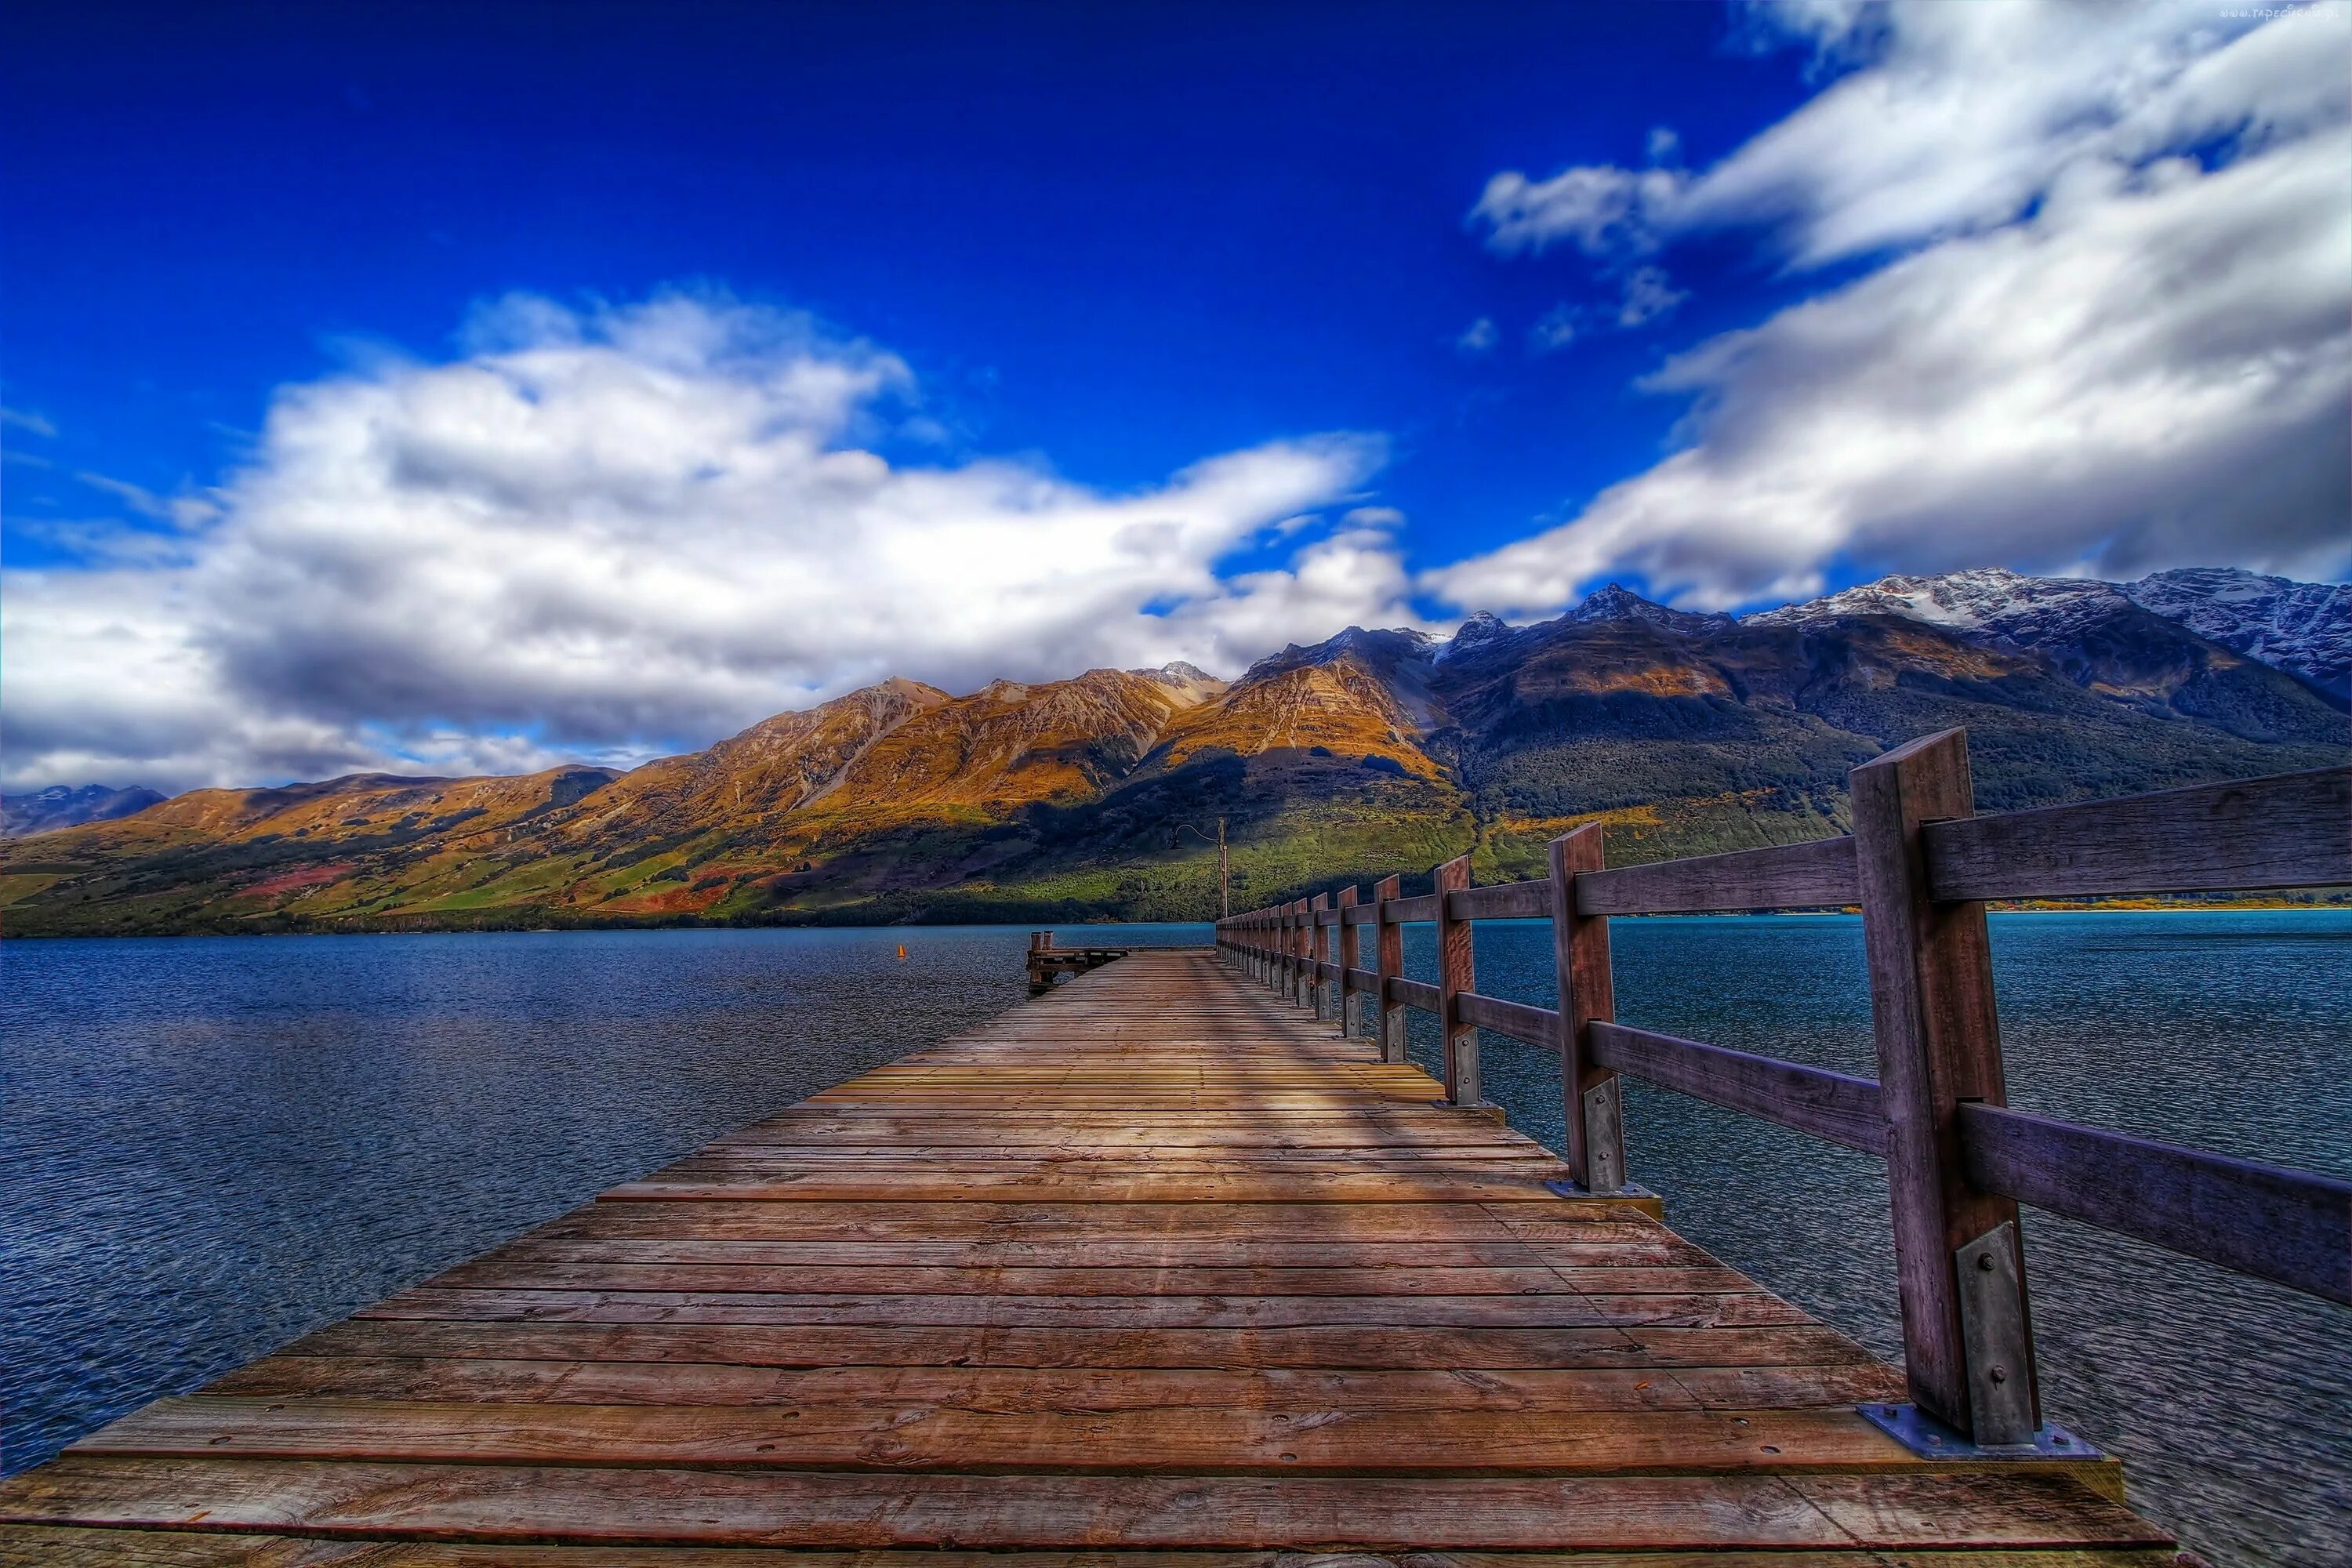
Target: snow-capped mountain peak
1483,629
1988,598
2303,628
1615,602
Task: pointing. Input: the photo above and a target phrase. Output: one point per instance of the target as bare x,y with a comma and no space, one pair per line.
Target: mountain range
1368,752
69,805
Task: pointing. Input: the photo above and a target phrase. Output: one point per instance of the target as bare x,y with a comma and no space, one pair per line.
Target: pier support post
1388,944
1302,949
1454,976
1592,1114
1967,1344
1343,999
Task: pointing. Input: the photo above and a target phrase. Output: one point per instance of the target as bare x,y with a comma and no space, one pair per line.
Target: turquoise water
214,1145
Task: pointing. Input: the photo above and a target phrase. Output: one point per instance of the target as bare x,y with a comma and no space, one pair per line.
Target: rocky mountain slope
1372,752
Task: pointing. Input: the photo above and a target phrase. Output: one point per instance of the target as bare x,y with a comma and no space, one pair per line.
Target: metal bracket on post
1993,1337
1933,1439
1604,1137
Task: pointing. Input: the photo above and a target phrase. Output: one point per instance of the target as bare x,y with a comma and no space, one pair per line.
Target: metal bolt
1984,1261
2001,1374
2062,1440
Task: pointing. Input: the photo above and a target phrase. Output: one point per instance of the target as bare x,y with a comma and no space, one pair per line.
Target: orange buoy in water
902,950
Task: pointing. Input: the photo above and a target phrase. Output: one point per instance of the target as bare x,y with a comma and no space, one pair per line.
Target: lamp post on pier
1224,866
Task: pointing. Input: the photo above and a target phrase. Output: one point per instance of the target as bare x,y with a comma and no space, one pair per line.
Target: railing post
1310,987
1454,976
1387,944
1345,999
1593,1114
1293,948
1968,1343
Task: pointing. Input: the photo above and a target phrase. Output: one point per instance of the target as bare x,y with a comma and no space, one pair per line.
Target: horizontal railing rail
1919,868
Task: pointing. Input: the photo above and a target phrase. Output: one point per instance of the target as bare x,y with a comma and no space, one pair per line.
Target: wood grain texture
2294,830
1350,940
1828,1105
1388,945
2288,1225
1155,1271
1586,981
1455,979
1784,876
1939,1040
1530,901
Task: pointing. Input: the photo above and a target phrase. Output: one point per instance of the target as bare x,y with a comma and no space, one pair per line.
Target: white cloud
1554,329
2151,367
24,419
1600,209
182,510
1649,295
1479,337
1645,295
630,527
1962,117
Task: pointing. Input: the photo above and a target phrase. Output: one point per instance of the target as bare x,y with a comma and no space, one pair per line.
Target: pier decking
1156,1269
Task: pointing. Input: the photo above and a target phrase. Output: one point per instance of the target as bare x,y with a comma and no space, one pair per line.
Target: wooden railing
1919,865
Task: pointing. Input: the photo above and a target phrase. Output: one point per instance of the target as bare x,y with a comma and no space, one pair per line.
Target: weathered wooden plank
1782,875
947,1439
2289,1226
1063,1219
1536,1026
1369,1186
820,1509
996,1280
2294,830
1418,994
1502,902
1419,910
1015,1391
748,1344
1828,1105
32,1546
1116,1252
911,1310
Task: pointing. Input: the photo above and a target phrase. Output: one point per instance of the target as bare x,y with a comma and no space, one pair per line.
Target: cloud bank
2111,328
610,533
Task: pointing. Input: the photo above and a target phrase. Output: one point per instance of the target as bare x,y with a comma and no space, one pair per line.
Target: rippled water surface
214,1145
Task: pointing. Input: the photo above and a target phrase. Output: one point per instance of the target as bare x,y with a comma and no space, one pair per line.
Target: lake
214,1145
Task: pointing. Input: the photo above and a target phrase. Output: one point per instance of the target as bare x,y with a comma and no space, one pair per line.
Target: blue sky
462,387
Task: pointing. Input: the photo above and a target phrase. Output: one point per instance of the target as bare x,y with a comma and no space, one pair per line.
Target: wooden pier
1166,1268
1049,961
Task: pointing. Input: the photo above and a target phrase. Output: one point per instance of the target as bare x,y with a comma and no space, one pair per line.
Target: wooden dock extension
1156,1270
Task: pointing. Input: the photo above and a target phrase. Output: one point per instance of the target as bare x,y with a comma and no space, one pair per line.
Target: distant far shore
554,925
